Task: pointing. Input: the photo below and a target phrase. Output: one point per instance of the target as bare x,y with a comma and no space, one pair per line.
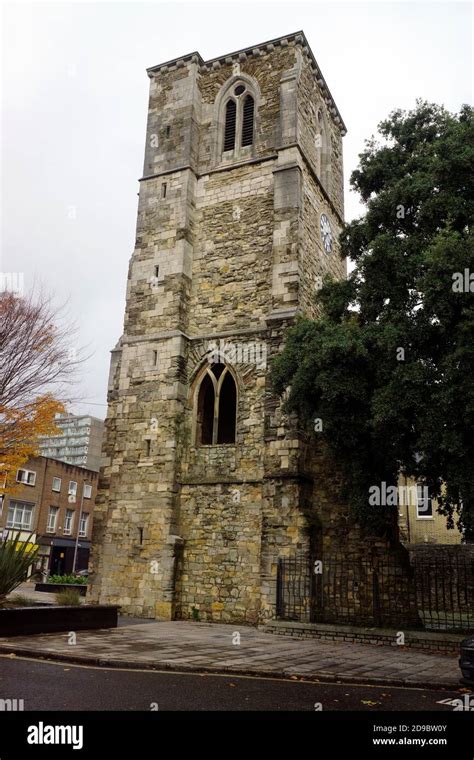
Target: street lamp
76,544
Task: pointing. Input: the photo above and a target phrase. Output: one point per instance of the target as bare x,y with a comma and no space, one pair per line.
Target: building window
68,522
56,484
163,190
52,519
83,524
424,505
28,477
247,121
230,122
239,119
20,515
216,407
72,490
87,491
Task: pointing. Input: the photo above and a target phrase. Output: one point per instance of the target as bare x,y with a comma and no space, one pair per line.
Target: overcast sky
74,107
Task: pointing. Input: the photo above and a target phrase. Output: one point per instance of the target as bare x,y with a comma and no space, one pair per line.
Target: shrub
19,600
16,557
69,597
67,579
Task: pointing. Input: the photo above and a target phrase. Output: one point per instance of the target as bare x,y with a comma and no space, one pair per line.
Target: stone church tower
204,482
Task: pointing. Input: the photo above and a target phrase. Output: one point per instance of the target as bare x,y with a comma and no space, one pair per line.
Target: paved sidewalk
28,589
210,647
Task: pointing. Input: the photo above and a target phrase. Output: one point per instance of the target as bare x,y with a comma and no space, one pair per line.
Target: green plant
384,377
69,597
19,600
67,579
16,557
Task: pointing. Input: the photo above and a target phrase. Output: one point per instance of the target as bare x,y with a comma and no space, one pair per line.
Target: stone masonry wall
311,92
314,261
220,566
232,264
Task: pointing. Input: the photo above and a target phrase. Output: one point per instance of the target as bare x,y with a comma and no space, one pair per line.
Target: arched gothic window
239,123
216,406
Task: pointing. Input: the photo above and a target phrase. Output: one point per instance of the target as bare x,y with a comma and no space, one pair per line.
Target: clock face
326,233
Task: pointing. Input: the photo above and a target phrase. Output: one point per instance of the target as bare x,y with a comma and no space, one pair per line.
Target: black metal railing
444,589
295,590
430,593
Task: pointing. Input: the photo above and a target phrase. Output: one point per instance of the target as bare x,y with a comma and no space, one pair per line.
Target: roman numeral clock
327,236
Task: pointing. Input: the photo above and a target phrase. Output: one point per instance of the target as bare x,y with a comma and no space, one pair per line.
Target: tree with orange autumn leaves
36,369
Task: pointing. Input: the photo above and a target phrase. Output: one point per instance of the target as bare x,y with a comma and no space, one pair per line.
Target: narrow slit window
157,271
230,122
163,190
247,121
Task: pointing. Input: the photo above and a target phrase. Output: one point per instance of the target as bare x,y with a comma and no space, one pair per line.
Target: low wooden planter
53,588
21,621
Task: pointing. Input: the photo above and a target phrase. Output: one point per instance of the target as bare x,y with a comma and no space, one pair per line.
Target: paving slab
183,645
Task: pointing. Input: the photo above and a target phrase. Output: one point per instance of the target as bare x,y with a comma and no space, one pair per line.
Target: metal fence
430,593
444,590
295,589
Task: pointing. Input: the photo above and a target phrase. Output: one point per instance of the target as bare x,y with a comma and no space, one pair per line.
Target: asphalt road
61,686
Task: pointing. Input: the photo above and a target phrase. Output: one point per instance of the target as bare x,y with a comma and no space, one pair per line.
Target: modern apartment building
79,442
54,501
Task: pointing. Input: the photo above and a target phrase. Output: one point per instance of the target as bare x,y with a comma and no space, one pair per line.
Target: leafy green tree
389,368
